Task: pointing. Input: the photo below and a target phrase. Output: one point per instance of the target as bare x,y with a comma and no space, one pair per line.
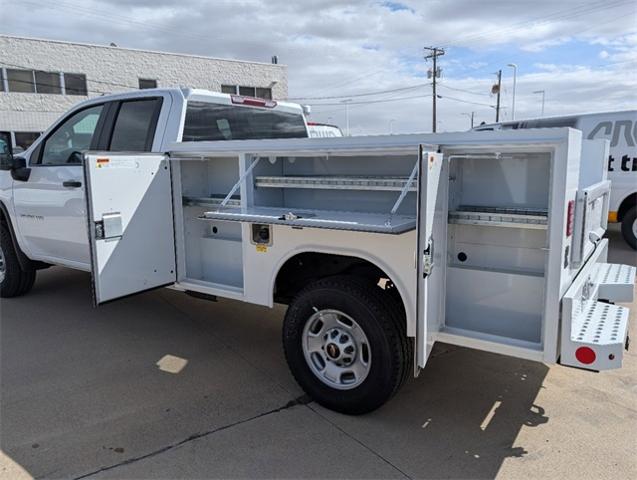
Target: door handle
72,184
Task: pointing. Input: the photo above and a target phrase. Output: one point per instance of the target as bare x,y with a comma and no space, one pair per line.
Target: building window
30,81
145,83
25,139
47,82
258,92
75,84
265,93
247,91
20,81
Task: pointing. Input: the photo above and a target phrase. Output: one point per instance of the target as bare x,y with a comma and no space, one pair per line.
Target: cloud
337,48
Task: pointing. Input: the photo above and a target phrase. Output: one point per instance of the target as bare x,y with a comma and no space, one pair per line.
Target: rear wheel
345,343
629,227
13,280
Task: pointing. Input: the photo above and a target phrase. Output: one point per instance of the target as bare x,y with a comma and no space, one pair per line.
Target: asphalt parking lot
162,385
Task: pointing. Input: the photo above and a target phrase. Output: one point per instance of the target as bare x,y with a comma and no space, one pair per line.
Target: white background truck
380,246
620,128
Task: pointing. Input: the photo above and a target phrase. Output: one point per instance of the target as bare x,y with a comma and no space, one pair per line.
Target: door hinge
99,230
427,259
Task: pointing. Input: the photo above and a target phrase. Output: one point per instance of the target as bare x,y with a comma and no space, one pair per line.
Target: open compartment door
130,223
430,255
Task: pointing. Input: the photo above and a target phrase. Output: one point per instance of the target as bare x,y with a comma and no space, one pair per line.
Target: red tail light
570,218
585,355
253,102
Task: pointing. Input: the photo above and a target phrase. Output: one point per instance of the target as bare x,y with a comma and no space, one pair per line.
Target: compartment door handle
72,184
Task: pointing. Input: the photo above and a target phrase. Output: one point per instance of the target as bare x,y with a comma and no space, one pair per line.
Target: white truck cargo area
489,240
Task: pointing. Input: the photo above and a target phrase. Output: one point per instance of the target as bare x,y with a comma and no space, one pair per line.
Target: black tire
16,281
382,321
628,222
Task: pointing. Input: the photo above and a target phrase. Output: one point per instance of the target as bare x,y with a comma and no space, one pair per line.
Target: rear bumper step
616,282
595,332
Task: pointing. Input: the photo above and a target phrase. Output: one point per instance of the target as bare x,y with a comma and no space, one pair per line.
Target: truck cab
43,200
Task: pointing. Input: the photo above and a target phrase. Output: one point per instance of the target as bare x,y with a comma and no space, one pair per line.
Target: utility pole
497,88
435,52
514,66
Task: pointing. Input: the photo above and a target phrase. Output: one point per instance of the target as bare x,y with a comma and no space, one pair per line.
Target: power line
463,90
542,20
466,101
377,92
111,18
369,102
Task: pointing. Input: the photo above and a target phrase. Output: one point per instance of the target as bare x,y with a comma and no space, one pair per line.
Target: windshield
210,121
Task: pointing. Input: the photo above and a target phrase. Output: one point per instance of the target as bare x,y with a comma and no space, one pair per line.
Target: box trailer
380,246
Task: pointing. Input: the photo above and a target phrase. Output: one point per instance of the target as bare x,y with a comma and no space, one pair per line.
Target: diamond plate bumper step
595,332
616,282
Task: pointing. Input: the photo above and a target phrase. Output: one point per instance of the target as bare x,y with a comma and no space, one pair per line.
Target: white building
41,79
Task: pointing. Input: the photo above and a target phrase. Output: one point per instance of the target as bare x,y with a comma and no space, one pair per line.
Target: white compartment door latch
109,227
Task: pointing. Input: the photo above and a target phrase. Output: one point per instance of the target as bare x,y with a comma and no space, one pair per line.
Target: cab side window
71,137
135,124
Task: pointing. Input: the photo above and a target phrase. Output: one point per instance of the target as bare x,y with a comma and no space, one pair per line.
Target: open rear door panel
130,222
430,253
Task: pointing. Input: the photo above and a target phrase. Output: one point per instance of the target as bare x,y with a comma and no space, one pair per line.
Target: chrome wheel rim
336,349
635,228
3,267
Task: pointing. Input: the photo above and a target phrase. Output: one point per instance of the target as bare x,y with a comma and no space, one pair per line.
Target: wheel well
25,262
629,202
304,268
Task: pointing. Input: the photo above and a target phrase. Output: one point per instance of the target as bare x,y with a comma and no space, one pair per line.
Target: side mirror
16,165
9,162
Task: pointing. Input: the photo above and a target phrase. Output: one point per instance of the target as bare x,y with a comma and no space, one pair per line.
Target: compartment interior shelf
536,218
335,220
211,201
384,183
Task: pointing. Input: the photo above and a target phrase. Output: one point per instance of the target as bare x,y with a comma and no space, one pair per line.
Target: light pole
543,92
346,102
515,81
470,115
391,126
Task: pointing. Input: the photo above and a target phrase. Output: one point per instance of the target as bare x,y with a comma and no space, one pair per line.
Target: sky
370,54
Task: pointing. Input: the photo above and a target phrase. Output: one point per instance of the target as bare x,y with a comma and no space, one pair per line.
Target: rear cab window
135,124
207,121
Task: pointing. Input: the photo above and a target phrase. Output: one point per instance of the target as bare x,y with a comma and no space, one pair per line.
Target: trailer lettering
626,124
606,128
625,167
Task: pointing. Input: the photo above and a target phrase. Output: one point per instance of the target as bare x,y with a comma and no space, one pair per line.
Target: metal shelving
535,218
384,183
211,201
330,219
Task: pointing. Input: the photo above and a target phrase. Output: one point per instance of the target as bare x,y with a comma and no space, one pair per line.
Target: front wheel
345,343
629,227
13,280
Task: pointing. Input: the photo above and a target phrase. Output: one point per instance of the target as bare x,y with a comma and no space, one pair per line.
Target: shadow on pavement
84,389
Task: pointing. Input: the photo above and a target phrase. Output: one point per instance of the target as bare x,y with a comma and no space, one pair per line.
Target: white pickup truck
380,246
